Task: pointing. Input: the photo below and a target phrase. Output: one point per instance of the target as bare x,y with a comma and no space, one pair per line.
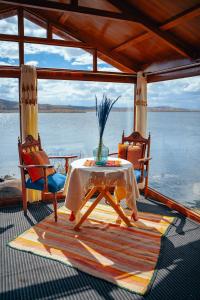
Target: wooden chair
140,156
36,171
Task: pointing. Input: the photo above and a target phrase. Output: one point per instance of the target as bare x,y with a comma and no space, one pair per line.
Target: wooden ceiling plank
150,25
186,15
8,12
176,20
133,41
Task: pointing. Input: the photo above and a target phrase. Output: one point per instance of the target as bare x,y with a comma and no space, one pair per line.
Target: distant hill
8,105
12,106
168,109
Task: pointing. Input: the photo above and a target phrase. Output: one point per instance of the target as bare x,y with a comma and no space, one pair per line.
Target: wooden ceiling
158,37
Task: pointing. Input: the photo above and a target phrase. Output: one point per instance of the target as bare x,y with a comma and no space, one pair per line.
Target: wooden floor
27,276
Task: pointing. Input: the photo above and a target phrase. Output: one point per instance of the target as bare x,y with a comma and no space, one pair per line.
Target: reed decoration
102,112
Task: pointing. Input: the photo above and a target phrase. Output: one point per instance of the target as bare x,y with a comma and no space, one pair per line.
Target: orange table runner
109,163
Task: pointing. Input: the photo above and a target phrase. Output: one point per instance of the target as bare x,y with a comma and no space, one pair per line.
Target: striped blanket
103,247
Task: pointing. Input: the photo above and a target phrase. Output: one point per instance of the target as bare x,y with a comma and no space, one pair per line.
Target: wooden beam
21,35
49,31
56,74
8,12
176,73
58,6
186,15
35,19
95,60
150,25
172,22
45,41
153,194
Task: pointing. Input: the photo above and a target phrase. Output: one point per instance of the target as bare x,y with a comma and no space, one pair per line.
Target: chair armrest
110,154
35,166
63,157
144,159
66,157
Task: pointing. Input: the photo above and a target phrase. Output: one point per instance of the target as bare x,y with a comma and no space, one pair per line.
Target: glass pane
57,37
58,57
9,53
32,29
175,129
9,127
77,132
105,67
9,25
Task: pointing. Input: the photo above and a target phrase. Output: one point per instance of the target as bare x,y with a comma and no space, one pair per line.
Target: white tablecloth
81,178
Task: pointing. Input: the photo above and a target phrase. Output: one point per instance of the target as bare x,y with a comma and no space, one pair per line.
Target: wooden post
21,57
134,116
49,31
95,60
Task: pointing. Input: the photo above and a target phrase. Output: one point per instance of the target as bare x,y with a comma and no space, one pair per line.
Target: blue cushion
138,174
55,183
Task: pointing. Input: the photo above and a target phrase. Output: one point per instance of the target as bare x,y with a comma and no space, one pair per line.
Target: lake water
175,145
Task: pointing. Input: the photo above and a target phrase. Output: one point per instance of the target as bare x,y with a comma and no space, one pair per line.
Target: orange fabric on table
37,158
109,163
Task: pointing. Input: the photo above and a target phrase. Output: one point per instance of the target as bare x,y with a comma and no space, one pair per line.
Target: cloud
74,55
183,92
9,89
32,63
9,25
4,63
82,92
9,50
108,69
31,29
83,59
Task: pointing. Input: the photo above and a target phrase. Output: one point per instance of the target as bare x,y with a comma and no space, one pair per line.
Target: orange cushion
37,158
133,154
122,151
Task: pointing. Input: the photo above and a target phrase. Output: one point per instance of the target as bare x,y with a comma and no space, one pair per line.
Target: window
77,132
105,67
9,53
9,126
174,124
9,25
32,29
58,57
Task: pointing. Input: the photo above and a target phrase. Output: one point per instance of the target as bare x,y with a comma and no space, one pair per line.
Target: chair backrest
29,145
135,139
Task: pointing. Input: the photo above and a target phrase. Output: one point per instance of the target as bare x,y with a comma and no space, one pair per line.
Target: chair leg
55,207
146,187
24,201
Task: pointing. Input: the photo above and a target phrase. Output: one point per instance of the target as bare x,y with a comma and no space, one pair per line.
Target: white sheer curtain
29,112
141,105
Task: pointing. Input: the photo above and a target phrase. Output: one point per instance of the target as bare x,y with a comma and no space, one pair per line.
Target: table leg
90,209
117,208
88,196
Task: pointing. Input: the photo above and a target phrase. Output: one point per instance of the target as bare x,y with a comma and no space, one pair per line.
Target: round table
93,178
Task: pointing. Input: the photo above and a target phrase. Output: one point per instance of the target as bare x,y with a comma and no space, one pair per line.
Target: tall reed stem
99,152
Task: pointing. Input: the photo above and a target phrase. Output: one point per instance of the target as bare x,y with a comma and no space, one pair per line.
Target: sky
182,93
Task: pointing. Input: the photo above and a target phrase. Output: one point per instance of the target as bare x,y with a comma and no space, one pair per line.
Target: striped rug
103,248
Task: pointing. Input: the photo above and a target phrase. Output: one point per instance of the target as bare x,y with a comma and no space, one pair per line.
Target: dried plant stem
99,152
